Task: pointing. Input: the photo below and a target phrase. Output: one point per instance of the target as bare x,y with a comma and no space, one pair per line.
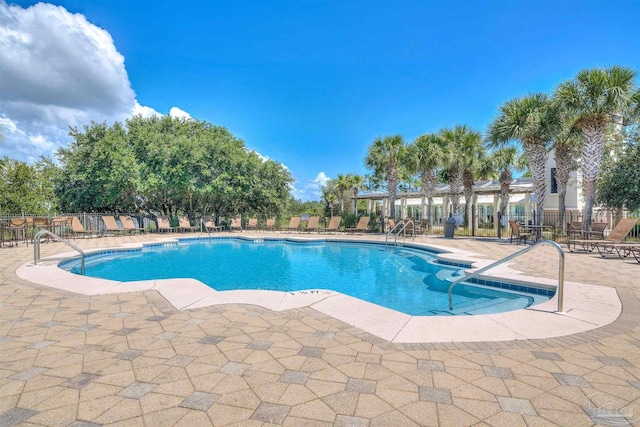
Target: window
554,183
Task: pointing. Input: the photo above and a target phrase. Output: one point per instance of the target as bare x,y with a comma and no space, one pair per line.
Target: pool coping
586,306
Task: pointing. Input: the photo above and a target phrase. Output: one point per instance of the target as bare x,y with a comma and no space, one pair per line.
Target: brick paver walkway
131,359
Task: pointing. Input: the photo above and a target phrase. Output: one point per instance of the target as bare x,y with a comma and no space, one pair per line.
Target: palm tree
357,184
329,194
473,156
531,121
566,143
424,156
505,161
342,184
385,158
457,142
595,96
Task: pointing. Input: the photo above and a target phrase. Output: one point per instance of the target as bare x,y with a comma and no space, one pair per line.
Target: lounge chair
294,224
517,233
252,224
185,225
111,226
623,250
165,225
312,224
362,225
210,224
575,231
334,225
130,226
270,224
391,223
617,236
78,229
236,223
636,253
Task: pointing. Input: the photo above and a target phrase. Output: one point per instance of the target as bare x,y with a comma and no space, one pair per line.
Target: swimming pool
408,280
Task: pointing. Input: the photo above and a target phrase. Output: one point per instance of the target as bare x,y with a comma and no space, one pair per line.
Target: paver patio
133,359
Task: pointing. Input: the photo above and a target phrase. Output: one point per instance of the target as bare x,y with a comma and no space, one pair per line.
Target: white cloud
176,112
311,189
58,70
141,110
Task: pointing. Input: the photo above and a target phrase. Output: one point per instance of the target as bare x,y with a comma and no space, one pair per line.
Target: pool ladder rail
401,228
560,291
36,247
203,225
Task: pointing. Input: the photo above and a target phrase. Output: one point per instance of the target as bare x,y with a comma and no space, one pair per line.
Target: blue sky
312,83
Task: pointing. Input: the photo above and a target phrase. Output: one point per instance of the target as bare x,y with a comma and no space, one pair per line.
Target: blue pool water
403,279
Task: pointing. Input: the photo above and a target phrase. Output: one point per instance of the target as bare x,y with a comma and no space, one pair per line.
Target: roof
519,185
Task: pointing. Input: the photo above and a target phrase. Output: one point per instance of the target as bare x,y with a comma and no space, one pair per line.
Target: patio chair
164,224
294,224
236,223
185,225
517,233
78,229
58,225
617,236
130,226
312,224
17,229
575,231
111,226
362,225
210,224
333,226
252,224
270,224
391,223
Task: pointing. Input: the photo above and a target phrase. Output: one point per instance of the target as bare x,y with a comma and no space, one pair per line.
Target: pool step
481,306
461,308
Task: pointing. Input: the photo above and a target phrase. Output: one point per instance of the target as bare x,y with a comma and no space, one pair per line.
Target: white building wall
573,200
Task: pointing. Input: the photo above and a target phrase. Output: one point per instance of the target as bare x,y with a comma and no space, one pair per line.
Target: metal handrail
386,242
403,226
36,247
509,258
203,224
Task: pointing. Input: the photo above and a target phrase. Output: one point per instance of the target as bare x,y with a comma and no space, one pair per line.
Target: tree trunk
589,202
592,149
428,188
355,201
564,160
467,178
505,182
561,209
536,154
392,184
455,188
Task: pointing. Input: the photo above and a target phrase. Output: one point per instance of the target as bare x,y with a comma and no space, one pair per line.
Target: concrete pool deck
585,306
132,358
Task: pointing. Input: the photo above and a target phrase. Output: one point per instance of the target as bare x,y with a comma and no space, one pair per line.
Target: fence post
473,220
499,225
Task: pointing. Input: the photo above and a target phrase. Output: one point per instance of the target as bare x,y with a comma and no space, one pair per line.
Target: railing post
36,247
560,291
473,220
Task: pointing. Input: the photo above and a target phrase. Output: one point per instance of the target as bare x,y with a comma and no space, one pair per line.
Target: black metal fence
495,226
551,226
